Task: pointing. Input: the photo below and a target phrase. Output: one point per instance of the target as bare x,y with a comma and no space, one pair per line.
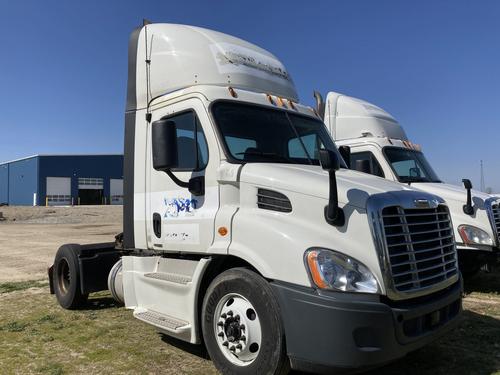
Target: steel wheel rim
237,329
63,276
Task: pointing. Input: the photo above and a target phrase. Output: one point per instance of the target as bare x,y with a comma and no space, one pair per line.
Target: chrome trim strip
489,209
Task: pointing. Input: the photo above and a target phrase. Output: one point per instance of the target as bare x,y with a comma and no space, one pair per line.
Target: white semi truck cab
245,231
376,143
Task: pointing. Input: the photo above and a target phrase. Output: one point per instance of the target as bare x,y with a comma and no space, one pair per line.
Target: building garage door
58,191
116,191
90,190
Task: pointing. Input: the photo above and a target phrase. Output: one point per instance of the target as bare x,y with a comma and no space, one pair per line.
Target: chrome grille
495,217
420,247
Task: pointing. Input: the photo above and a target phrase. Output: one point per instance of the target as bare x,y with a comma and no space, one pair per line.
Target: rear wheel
241,324
66,278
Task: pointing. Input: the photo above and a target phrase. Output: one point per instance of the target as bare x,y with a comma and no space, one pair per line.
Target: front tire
242,327
66,278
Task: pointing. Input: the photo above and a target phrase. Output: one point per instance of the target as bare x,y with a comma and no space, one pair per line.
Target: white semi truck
374,142
245,231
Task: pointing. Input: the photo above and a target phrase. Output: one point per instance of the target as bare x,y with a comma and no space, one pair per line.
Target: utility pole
482,178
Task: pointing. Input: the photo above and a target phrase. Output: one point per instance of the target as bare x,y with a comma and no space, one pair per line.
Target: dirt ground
30,236
39,337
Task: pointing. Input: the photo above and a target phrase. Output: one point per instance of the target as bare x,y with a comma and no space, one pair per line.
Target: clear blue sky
435,65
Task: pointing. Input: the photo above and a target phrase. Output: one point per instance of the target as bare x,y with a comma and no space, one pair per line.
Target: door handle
157,224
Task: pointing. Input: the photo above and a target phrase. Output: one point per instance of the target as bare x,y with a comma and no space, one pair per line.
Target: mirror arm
468,208
334,215
196,185
176,180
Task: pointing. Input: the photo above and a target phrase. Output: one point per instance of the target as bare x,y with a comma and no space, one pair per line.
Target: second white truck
375,143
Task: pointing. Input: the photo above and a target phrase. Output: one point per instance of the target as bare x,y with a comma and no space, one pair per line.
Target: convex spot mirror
164,142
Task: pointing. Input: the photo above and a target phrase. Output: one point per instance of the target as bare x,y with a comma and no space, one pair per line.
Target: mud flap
50,272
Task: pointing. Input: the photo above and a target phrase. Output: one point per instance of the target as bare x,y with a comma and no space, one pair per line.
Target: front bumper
471,259
348,331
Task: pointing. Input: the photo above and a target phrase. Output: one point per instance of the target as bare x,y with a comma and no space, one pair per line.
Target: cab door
176,220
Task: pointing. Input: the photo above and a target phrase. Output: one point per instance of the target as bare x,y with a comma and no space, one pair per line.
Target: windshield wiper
271,155
410,180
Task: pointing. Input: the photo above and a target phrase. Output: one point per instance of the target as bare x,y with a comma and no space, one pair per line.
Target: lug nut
220,324
232,348
230,313
223,316
242,326
220,334
225,343
243,338
239,346
237,317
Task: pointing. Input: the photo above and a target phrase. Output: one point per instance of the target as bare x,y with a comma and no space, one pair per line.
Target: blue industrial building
62,180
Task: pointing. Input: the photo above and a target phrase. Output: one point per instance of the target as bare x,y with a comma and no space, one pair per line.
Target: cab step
162,321
171,277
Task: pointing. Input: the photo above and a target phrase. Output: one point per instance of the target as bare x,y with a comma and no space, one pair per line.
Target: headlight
472,235
335,271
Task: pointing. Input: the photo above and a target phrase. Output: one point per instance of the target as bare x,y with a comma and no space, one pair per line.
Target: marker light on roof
232,92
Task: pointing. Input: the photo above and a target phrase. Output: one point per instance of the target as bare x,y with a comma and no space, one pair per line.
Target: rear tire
66,278
242,327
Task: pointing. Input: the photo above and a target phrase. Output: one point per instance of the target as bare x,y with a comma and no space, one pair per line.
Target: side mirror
164,144
329,160
364,166
345,152
333,213
467,183
468,209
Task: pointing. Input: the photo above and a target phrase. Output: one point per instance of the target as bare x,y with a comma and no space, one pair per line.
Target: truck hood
456,197
452,192
353,187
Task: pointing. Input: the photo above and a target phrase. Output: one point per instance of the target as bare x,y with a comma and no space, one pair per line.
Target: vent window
272,200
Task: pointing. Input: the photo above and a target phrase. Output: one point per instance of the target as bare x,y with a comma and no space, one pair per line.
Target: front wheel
241,324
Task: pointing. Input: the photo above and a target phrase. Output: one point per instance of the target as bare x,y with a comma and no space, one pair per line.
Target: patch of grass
14,326
22,285
37,336
47,318
51,369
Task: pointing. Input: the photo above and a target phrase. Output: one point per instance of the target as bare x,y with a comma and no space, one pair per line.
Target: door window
375,168
192,149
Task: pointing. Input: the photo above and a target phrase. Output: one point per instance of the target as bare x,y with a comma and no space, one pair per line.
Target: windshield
257,134
410,165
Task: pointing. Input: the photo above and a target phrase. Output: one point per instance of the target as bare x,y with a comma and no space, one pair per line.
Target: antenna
148,68
482,178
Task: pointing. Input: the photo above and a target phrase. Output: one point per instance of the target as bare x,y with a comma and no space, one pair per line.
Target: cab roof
169,57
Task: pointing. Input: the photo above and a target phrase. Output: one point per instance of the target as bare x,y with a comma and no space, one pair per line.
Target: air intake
272,200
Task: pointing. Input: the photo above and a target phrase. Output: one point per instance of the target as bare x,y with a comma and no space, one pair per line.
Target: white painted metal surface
183,56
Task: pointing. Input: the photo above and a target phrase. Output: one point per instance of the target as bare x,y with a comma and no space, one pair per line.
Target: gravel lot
30,236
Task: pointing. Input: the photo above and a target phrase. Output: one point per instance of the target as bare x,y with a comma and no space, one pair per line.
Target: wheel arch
218,265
